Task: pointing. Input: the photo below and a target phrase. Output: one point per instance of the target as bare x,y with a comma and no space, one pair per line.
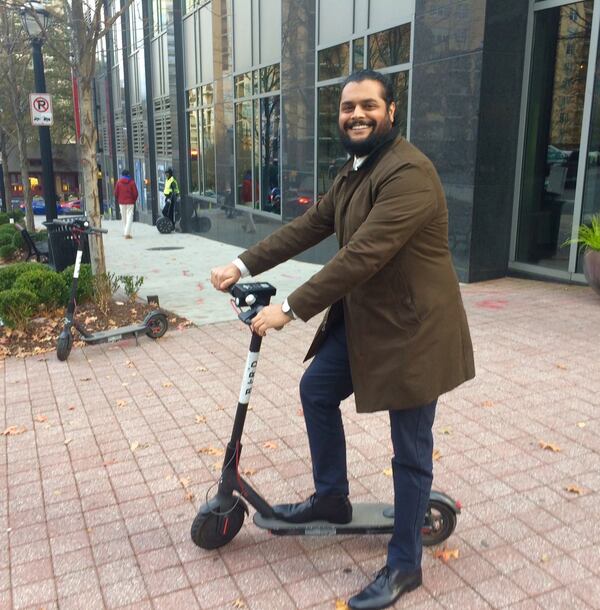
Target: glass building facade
240,99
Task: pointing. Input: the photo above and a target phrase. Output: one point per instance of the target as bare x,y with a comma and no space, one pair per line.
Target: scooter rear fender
439,496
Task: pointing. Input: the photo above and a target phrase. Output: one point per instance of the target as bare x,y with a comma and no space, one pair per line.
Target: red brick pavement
97,496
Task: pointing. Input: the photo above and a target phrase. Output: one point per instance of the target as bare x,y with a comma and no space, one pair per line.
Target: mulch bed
42,332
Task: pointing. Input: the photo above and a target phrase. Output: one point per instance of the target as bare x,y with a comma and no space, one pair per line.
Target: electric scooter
220,519
154,325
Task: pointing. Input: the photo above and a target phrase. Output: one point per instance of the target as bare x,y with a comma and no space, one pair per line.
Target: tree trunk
6,175
87,148
24,162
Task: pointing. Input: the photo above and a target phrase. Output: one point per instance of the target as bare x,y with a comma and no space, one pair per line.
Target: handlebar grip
97,230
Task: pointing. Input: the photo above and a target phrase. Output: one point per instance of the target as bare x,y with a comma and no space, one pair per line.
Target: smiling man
395,333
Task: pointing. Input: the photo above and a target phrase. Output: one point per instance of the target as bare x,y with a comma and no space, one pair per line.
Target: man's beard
366,146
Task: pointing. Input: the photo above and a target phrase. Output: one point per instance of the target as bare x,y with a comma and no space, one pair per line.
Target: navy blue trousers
325,383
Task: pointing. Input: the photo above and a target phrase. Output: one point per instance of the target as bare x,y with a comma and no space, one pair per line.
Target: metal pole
45,143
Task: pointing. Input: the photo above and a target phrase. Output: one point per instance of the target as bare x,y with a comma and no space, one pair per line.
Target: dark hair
125,172
169,171
383,79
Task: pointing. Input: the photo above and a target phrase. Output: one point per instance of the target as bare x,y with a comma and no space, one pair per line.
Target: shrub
8,275
17,241
85,284
105,285
7,251
16,215
8,228
17,306
40,235
4,218
49,288
6,238
132,285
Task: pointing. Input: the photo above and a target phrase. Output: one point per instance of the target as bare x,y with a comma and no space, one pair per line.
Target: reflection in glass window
192,97
257,140
334,61
193,151
269,78
243,153
269,152
330,153
400,84
208,148
390,47
243,85
207,95
358,54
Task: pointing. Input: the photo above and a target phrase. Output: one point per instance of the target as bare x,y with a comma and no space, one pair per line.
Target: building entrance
557,168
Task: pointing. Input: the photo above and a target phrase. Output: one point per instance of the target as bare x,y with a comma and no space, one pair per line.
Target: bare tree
14,58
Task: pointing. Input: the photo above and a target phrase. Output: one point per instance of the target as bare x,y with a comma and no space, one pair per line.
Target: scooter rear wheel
440,522
164,225
64,345
156,325
211,531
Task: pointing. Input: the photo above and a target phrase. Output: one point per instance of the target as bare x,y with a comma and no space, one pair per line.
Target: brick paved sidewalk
98,494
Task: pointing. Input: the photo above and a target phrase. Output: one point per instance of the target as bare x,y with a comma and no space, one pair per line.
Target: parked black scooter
221,518
154,325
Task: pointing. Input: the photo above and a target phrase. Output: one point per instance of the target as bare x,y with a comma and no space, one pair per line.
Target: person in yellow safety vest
171,193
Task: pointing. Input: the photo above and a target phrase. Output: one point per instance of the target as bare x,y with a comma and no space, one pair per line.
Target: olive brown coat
407,333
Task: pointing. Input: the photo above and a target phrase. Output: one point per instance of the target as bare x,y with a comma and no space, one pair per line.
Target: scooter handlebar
83,225
254,296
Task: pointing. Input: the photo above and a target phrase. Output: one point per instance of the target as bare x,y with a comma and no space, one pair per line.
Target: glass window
194,152
330,153
208,147
192,97
242,34
400,84
358,54
243,153
335,20
243,85
270,31
207,95
551,154
334,61
269,78
390,47
269,151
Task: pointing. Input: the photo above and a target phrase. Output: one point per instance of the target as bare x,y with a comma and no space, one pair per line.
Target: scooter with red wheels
220,519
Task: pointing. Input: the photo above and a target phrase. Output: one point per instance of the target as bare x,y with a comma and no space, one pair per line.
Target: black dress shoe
389,585
335,509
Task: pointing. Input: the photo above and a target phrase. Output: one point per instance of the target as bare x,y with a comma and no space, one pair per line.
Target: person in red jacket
126,195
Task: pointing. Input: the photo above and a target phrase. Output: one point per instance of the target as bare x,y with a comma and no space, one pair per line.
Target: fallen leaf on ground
300,412
388,472
14,430
340,604
549,446
270,445
446,554
248,472
563,367
129,364
41,418
135,445
184,482
68,440
446,430
202,369
121,403
436,455
581,424
487,404
189,496
238,603
545,558
200,419
574,489
167,384
85,379
211,451
71,407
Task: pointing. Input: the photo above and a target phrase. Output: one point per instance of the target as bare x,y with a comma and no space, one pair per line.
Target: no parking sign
40,106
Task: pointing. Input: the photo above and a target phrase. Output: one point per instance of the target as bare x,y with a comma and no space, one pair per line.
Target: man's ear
391,112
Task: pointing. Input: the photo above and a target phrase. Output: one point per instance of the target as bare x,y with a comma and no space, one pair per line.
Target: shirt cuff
240,265
289,311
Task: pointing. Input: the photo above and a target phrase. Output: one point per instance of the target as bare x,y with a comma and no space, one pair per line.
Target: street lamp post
35,21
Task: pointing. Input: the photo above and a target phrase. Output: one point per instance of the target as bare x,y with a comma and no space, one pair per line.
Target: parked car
39,207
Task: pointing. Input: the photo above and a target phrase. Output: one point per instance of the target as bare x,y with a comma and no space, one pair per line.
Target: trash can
62,246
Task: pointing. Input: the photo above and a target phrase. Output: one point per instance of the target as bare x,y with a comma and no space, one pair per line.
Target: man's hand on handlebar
224,277
268,317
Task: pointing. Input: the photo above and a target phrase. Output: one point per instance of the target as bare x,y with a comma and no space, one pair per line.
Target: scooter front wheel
211,531
64,345
440,522
156,325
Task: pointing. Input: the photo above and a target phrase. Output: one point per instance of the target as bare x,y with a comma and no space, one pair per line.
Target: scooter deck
114,334
366,519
